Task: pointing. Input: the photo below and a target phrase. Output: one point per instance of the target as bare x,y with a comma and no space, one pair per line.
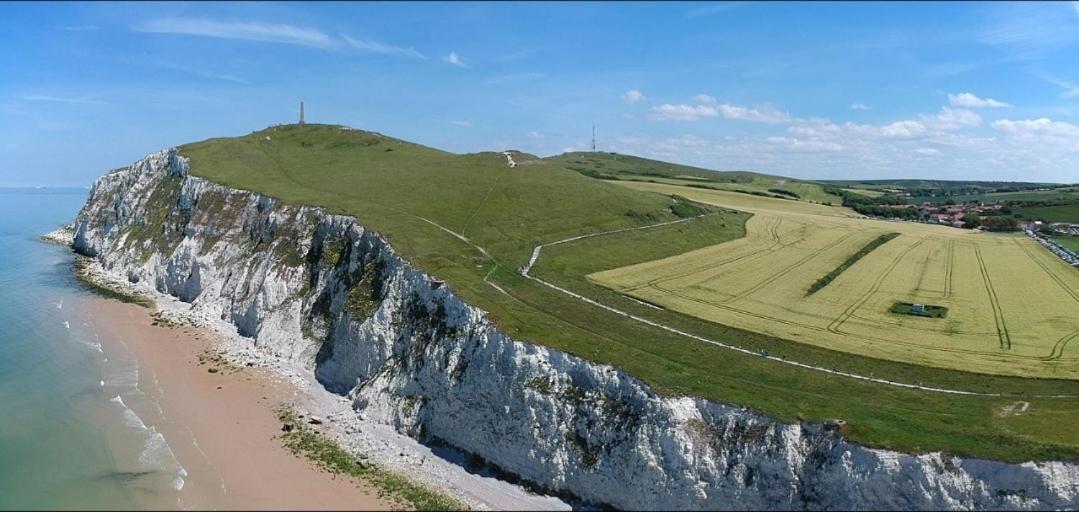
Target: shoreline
432,467
220,421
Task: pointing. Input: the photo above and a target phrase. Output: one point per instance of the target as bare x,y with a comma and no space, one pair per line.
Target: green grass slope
400,189
625,167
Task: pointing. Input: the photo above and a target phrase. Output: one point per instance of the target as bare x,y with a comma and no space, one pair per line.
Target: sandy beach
220,422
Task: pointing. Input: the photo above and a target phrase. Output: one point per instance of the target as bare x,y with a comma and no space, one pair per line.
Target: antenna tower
301,112
593,138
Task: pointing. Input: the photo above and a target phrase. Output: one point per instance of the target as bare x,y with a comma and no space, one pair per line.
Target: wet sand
221,425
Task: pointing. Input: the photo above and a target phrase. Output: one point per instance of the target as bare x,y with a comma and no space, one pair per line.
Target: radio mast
301,112
593,138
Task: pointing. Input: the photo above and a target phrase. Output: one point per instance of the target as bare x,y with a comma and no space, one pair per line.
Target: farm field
1067,195
1013,307
1061,213
1070,242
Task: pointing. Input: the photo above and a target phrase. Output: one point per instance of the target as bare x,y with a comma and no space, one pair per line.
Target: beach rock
309,287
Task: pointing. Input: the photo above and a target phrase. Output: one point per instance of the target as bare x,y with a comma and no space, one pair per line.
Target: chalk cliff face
321,289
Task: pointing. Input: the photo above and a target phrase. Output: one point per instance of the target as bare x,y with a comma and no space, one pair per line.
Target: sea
70,436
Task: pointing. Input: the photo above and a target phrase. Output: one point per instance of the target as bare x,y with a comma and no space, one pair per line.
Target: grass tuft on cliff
402,190
305,441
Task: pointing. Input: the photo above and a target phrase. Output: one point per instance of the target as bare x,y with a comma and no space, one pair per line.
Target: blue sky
829,91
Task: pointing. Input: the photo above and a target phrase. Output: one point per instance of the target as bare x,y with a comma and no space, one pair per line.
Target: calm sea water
69,433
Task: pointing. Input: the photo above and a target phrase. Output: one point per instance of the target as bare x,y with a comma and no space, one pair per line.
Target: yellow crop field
1013,307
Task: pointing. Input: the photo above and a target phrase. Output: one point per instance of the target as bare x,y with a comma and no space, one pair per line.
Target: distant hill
917,183
614,166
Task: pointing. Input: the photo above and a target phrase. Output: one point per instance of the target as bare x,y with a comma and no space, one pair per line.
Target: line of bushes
828,278
785,192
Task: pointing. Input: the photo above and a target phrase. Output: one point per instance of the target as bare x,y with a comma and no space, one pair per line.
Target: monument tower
301,112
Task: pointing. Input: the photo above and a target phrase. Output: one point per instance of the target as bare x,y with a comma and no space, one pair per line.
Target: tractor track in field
773,232
1058,348
525,271
1052,275
771,279
676,293
949,264
994,301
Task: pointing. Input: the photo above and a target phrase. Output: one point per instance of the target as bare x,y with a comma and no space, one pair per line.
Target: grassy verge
850,261
1068,242
99,287
328,456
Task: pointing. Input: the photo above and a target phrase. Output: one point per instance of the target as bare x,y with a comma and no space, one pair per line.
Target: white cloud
859,106
952,118
705,99
536,135
382,49
1071,89
806,145
1031,26
969,100
454,59
707,106
84,100
78,28
242,30
765,114
462,123
903,129
1029,149
632,96
1037,127
668,112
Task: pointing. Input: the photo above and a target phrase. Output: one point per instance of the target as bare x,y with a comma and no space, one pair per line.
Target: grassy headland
396,187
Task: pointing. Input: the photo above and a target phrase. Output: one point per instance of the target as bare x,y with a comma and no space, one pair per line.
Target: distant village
992,217
971,216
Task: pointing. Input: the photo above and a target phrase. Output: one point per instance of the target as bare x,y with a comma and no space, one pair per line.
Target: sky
985,91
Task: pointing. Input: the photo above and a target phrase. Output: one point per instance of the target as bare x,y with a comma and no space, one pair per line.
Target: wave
125,377
156,454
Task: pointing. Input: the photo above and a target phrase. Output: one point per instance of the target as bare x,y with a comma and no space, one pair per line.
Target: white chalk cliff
321,289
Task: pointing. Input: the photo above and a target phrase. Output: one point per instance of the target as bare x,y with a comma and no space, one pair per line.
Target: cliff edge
321,290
